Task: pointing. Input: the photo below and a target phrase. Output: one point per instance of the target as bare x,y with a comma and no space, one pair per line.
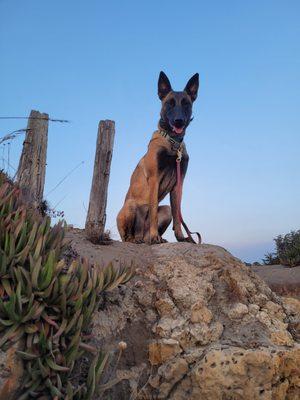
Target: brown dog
141,219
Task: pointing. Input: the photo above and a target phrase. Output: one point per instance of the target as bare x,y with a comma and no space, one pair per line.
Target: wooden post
96,217
32,165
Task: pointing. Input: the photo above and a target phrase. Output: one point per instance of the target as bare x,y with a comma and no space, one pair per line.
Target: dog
142,219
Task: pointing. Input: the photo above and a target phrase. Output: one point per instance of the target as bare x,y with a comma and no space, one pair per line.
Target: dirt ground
103,254
282,280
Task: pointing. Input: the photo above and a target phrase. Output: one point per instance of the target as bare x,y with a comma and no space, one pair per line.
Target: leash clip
179,155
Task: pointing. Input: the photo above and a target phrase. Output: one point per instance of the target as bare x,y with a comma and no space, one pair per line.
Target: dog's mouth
177,130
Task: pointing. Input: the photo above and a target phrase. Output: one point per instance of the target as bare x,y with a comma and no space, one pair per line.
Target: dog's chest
167,171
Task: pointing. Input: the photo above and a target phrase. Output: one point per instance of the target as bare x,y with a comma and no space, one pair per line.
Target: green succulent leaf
47,304
55,366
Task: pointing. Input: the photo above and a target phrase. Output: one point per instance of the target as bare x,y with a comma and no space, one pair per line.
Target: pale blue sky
91,60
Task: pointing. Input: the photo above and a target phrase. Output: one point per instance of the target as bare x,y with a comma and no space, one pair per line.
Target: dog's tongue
178,131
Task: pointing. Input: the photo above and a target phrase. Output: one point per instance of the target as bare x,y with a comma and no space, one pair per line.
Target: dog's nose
179,123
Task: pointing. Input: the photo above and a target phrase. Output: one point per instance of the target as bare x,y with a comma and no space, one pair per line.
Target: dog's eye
171,103
184,103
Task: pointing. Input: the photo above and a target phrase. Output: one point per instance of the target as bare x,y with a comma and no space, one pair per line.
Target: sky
90,60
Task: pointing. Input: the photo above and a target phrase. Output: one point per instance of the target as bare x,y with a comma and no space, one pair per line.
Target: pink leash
179,197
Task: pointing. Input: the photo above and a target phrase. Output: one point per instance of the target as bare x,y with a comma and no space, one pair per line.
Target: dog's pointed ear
164,85
192,87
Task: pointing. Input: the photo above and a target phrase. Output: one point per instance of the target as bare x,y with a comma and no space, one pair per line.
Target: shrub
46,303
271,259
256,263
288,248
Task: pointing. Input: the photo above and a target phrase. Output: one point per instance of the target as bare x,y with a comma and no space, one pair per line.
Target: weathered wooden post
96,217
32,165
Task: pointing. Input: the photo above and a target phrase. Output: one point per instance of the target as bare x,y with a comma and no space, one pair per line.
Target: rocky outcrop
199,324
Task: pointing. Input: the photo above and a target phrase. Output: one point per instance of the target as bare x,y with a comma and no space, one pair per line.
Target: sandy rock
282,338
200,313
165,306
163,350
253,308
167,325
247,374
171,373
238,311
291,305
199,325
275,310
11,372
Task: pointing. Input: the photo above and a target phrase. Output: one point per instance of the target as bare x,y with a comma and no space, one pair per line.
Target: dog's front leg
153,209
176,221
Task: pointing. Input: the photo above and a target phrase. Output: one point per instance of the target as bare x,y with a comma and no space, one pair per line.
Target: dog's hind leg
121,224
125,221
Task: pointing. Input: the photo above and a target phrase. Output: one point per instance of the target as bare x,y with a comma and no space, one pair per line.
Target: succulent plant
47,303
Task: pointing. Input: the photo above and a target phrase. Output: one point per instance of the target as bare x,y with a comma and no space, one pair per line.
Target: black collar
177,143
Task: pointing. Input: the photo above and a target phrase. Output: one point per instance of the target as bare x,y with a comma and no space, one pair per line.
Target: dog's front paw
184,239
139,241
129,239
180,238
156,239
189,240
